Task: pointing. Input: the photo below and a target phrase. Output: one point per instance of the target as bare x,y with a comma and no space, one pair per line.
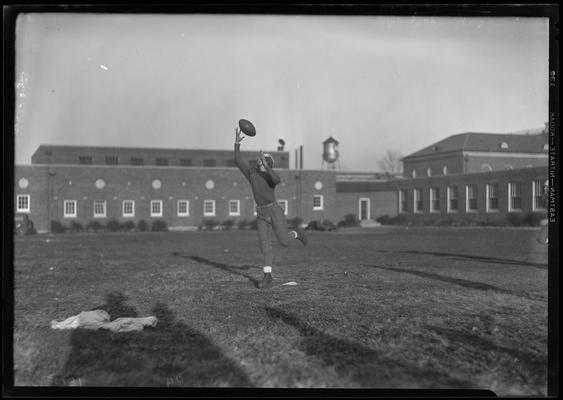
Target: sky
373,83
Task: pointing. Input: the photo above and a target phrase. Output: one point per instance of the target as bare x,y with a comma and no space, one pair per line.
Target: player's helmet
269,159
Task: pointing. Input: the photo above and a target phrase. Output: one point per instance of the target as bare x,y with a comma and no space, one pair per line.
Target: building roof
486,142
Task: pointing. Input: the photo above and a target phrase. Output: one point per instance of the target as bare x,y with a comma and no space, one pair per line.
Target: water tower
330,153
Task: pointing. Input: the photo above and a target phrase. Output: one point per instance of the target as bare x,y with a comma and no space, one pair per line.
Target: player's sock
267,270
267,281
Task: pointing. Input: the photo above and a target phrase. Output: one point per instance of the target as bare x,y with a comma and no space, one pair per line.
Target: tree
391,163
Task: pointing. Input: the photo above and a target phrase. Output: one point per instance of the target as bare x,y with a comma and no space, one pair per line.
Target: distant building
465,178
468,153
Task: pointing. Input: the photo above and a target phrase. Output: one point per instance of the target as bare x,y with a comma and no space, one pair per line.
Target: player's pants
266,216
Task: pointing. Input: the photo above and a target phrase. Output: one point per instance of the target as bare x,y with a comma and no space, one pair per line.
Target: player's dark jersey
263,183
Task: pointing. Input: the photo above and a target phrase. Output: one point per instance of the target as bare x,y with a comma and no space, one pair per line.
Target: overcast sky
184,81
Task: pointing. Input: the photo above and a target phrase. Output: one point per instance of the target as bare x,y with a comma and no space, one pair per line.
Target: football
246,127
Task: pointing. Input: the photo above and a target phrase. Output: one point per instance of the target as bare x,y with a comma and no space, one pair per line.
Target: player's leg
266,249
279,225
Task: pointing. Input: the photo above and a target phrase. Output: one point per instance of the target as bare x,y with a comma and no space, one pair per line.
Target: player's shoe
267,281
301,235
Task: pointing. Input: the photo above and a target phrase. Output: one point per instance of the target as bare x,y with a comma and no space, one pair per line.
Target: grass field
385,308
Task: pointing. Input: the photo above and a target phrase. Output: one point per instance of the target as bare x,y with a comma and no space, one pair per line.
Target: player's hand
263,159
238,137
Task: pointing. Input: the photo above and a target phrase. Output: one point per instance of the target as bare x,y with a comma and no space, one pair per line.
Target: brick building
186,187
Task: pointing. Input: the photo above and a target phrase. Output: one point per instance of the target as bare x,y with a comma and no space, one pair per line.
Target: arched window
486,168
429,171
445,170
503,145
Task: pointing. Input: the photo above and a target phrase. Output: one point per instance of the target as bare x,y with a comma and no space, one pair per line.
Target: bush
228,224
399,219
534,218
242,224
295,221
349,220
113,225
159,226
324,225
75,227
142,226
57,227
94,226
208,225
128,226
253,224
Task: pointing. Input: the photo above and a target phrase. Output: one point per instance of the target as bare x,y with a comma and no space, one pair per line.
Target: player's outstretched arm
241,164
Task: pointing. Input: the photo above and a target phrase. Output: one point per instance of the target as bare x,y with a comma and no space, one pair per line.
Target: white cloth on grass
99,319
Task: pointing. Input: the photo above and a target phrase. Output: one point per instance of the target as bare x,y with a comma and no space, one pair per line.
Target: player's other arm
241,164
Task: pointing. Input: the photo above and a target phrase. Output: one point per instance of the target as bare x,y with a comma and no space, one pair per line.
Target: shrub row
113,225
513,219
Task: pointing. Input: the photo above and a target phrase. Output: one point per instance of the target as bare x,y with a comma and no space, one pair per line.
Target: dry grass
390,308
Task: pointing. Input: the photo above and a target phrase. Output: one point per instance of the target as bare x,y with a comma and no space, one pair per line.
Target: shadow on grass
478,258
361,364
169,355
225,267
534,371
457,281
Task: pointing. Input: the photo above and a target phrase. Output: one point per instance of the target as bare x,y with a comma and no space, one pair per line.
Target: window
128,208
284,206
434,199
445,170
85,160
414,173
492,197
514,197
183,208
318,202
402,201
452,199
156,208
186,162
234,207
231,163
99,208
111,160
538,199
208,163
418,203
209,208
137,161
486,168
69,209
162,162
22,203
471,200
503,145
429,171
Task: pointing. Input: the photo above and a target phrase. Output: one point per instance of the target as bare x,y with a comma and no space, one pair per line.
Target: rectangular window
434,199
539,198
515,197
186,162
156,208
137,161
209,208
418,203
231,163
402,201
128,208
452,199
471,198
208,163
283,204
69,209
318,202
234,207
111,160
183,208
161,162
23,203
99,208
85,160
492,197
